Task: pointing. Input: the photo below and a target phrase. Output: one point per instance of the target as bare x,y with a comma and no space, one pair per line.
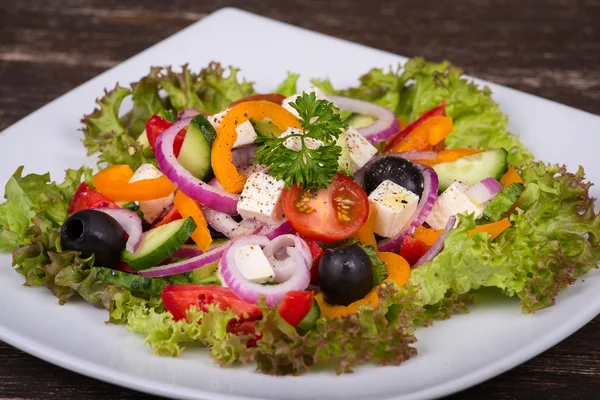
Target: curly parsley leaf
314,164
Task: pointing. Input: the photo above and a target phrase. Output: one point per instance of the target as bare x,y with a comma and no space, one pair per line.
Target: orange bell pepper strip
494,229
113,182
449,155
397,267
511,176
431,132
188,207
333,311
366,233
221,158
427,235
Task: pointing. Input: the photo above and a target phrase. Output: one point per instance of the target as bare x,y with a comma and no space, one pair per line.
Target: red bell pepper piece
438,111
87,197
412,249
157,125
295,306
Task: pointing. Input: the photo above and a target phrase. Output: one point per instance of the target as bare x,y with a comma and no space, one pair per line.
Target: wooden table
548,48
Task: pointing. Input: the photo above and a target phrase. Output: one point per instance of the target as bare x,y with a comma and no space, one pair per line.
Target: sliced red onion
438,245
188,113
250,291
186,265
418,155
224,223
484,191
273,231
382,129
131,223
211,197
426,202
242,157
283,253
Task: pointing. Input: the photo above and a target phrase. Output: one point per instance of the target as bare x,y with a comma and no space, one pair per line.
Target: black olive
397,170
345,274
94,232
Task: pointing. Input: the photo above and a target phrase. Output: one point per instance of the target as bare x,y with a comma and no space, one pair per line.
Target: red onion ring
383,128
250,291
295,247
186,265
131,223
211,197
188,113
242,156
438,245
415,155
225,224
484,191
426,202
273,231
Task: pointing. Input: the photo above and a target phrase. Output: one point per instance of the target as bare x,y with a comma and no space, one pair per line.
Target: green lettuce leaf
289,85
553,240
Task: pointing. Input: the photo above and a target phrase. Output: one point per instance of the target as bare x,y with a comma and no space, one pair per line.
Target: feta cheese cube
394,205
294,143
261,198
151,208
452,201
253,264
286,102
360,149
245,131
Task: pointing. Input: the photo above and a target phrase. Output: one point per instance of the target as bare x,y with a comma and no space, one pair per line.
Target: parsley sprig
309,167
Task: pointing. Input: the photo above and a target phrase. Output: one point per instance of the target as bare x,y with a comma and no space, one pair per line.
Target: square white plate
453,354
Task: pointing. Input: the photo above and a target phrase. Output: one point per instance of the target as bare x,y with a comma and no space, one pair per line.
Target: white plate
453,354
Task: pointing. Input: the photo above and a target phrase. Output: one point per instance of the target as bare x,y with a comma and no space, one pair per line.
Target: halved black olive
395,169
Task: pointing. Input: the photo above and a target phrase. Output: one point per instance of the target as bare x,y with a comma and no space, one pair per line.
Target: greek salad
300,228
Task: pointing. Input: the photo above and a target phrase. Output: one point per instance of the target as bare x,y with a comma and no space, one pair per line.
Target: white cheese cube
394,205
261,198
216,119
286,102
253,264
360,149
245,134
151,208
452,201
294,143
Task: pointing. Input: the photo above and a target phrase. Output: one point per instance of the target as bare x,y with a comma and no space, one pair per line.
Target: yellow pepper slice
331,311
431,132
449,155
397,267
113,182
222,163
427,235
366,233
494,229
188,207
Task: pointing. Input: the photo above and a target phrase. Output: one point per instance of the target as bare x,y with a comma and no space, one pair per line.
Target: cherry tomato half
331,214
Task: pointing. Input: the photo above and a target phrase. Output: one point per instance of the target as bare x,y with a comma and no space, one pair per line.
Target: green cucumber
131,205
344,161
472,169
196,148
265,125
159,243
130,281
310,320
360,121
501,204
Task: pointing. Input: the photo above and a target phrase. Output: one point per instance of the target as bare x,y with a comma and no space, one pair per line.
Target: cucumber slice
360,121
160,243
195,151
310,320
344,162
265,125
501,204
472,169
130,281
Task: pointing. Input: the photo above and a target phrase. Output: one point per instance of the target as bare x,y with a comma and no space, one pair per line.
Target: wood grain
548,48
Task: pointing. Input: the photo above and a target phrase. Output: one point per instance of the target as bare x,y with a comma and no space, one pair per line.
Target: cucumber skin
187,156
131,282
164,251
310,320
444,181
501,204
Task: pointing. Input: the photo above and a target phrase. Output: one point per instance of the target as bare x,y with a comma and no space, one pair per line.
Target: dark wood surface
548,48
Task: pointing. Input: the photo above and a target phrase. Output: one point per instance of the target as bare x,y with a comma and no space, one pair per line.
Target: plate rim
128,380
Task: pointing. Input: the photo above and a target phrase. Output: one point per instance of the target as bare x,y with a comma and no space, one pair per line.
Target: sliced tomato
157,125
179,298
170,215
438,111
413,249
331,214
272,97
295,306
87,197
